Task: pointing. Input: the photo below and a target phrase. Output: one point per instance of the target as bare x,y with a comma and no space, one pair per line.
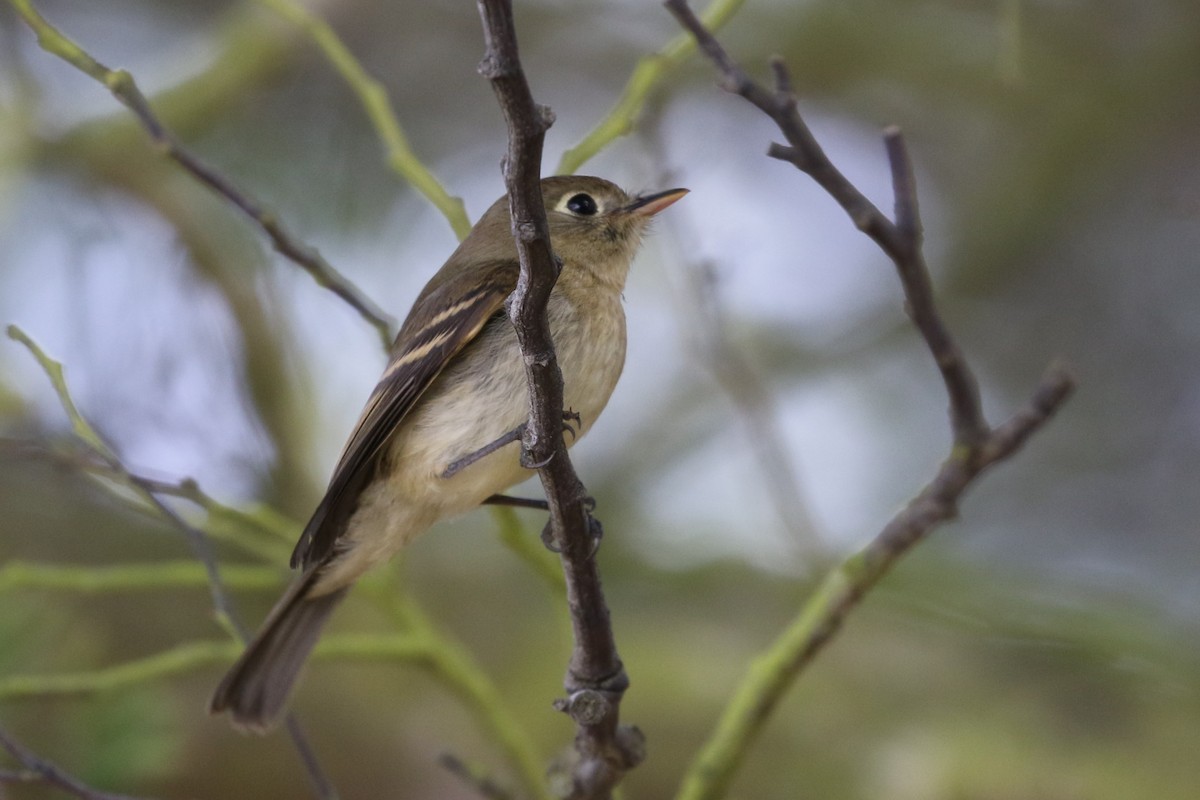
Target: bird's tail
257,687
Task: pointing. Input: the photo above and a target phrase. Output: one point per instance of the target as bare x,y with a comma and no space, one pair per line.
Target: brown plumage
455,382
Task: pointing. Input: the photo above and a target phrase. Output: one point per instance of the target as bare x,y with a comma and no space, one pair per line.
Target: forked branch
976,445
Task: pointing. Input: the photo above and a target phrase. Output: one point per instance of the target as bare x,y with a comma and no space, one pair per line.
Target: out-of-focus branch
901,240
261,532
976,445
512,534
176,660
647,75
403,647
34,769
752,400
703,321
450,663
123,87
201,546
374,99
100,449
474,776
822,616
23,575
596,679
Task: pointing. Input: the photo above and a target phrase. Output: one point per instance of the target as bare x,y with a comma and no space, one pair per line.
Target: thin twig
901,244
123,87
474,777
157,575
976,445
226,523
39,770
451,664
596,679
705,325
194,655
647,75
373,96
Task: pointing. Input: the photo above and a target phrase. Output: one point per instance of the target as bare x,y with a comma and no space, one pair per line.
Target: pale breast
590,344
484,395
479,398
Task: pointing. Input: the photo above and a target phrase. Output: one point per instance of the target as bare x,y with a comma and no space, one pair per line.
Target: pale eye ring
582,204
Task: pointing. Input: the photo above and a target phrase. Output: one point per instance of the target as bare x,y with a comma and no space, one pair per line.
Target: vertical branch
595,680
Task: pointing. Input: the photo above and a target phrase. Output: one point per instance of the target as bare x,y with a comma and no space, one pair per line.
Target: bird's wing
447,316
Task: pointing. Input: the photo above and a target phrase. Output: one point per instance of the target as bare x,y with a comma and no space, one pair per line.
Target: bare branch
474,777
374,98
735,374
595,680
38,770
900,242
123,87
976,446
201,547
647,76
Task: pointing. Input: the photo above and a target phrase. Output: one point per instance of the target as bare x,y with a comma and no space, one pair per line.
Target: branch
512,534
20,575
475,777
199,542
38,770
647,75
123,87
140,486
595,680
262,533
374,99
901,241
773,673
704,325
976,445
450,663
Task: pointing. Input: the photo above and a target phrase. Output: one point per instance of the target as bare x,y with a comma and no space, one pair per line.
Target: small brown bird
426,445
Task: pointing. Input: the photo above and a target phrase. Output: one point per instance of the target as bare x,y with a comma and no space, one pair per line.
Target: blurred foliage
1042,649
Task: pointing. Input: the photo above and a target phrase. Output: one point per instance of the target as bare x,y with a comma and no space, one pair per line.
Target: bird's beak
651,204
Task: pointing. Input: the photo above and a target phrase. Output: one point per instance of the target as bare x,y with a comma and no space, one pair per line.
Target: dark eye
582,204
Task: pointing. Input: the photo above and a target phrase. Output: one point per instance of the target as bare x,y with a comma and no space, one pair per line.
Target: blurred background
775,411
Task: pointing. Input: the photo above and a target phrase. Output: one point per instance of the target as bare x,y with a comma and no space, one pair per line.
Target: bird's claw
595,530
528,461
571,416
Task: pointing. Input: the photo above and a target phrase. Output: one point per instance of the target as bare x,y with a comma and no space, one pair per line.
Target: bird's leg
514,435
459,465
518,502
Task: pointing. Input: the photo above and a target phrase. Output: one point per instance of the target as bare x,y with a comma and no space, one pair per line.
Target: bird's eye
582,204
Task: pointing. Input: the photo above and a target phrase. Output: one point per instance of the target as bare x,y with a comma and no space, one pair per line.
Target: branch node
587,707
863,219
732,82
631,743
785,152
490,67
527,231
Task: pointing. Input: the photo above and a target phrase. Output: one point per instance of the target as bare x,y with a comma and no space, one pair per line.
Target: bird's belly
484,395
478,399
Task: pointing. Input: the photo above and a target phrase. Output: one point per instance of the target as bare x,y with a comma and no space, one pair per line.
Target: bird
439,434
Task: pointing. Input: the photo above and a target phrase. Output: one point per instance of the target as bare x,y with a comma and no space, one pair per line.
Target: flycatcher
436,438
